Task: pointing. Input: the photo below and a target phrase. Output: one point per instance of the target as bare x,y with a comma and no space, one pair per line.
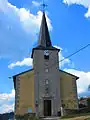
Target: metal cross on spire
43,6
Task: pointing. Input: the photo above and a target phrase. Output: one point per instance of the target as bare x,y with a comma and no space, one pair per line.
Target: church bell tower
46,74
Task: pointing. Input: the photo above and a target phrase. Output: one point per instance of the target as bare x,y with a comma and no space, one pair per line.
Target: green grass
76,115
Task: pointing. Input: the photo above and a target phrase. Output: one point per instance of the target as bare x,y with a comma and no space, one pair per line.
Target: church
45,89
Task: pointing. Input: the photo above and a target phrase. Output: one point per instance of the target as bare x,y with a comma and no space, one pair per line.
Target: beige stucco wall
68,91
26,93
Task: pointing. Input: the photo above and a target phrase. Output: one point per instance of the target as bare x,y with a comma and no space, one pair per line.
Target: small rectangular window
46,57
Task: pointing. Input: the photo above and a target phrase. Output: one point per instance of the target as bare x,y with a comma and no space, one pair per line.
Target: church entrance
47,107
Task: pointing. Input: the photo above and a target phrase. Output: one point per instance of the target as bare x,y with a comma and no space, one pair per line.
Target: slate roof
44,41
44,37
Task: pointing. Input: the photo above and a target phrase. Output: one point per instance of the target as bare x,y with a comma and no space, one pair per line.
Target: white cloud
84,3
28,61
25,62
7,102
83,81
5,96
18,29
63,60
88,13
81,90
24,15
35,3
6,108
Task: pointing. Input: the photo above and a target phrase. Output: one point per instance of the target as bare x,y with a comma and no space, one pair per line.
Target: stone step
51,118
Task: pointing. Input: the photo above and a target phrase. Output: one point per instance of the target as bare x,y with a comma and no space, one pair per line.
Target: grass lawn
81,116
77,118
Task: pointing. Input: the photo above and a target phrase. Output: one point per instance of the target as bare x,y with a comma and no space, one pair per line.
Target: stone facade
44,72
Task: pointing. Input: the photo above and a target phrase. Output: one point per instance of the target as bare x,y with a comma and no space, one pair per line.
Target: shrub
88,102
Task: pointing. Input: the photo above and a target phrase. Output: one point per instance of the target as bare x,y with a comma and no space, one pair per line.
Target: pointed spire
44,38
44,41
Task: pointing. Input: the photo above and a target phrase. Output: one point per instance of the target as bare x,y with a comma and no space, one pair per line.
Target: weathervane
43,5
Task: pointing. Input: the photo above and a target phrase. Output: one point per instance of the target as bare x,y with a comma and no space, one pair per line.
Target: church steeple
44,42
44,37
